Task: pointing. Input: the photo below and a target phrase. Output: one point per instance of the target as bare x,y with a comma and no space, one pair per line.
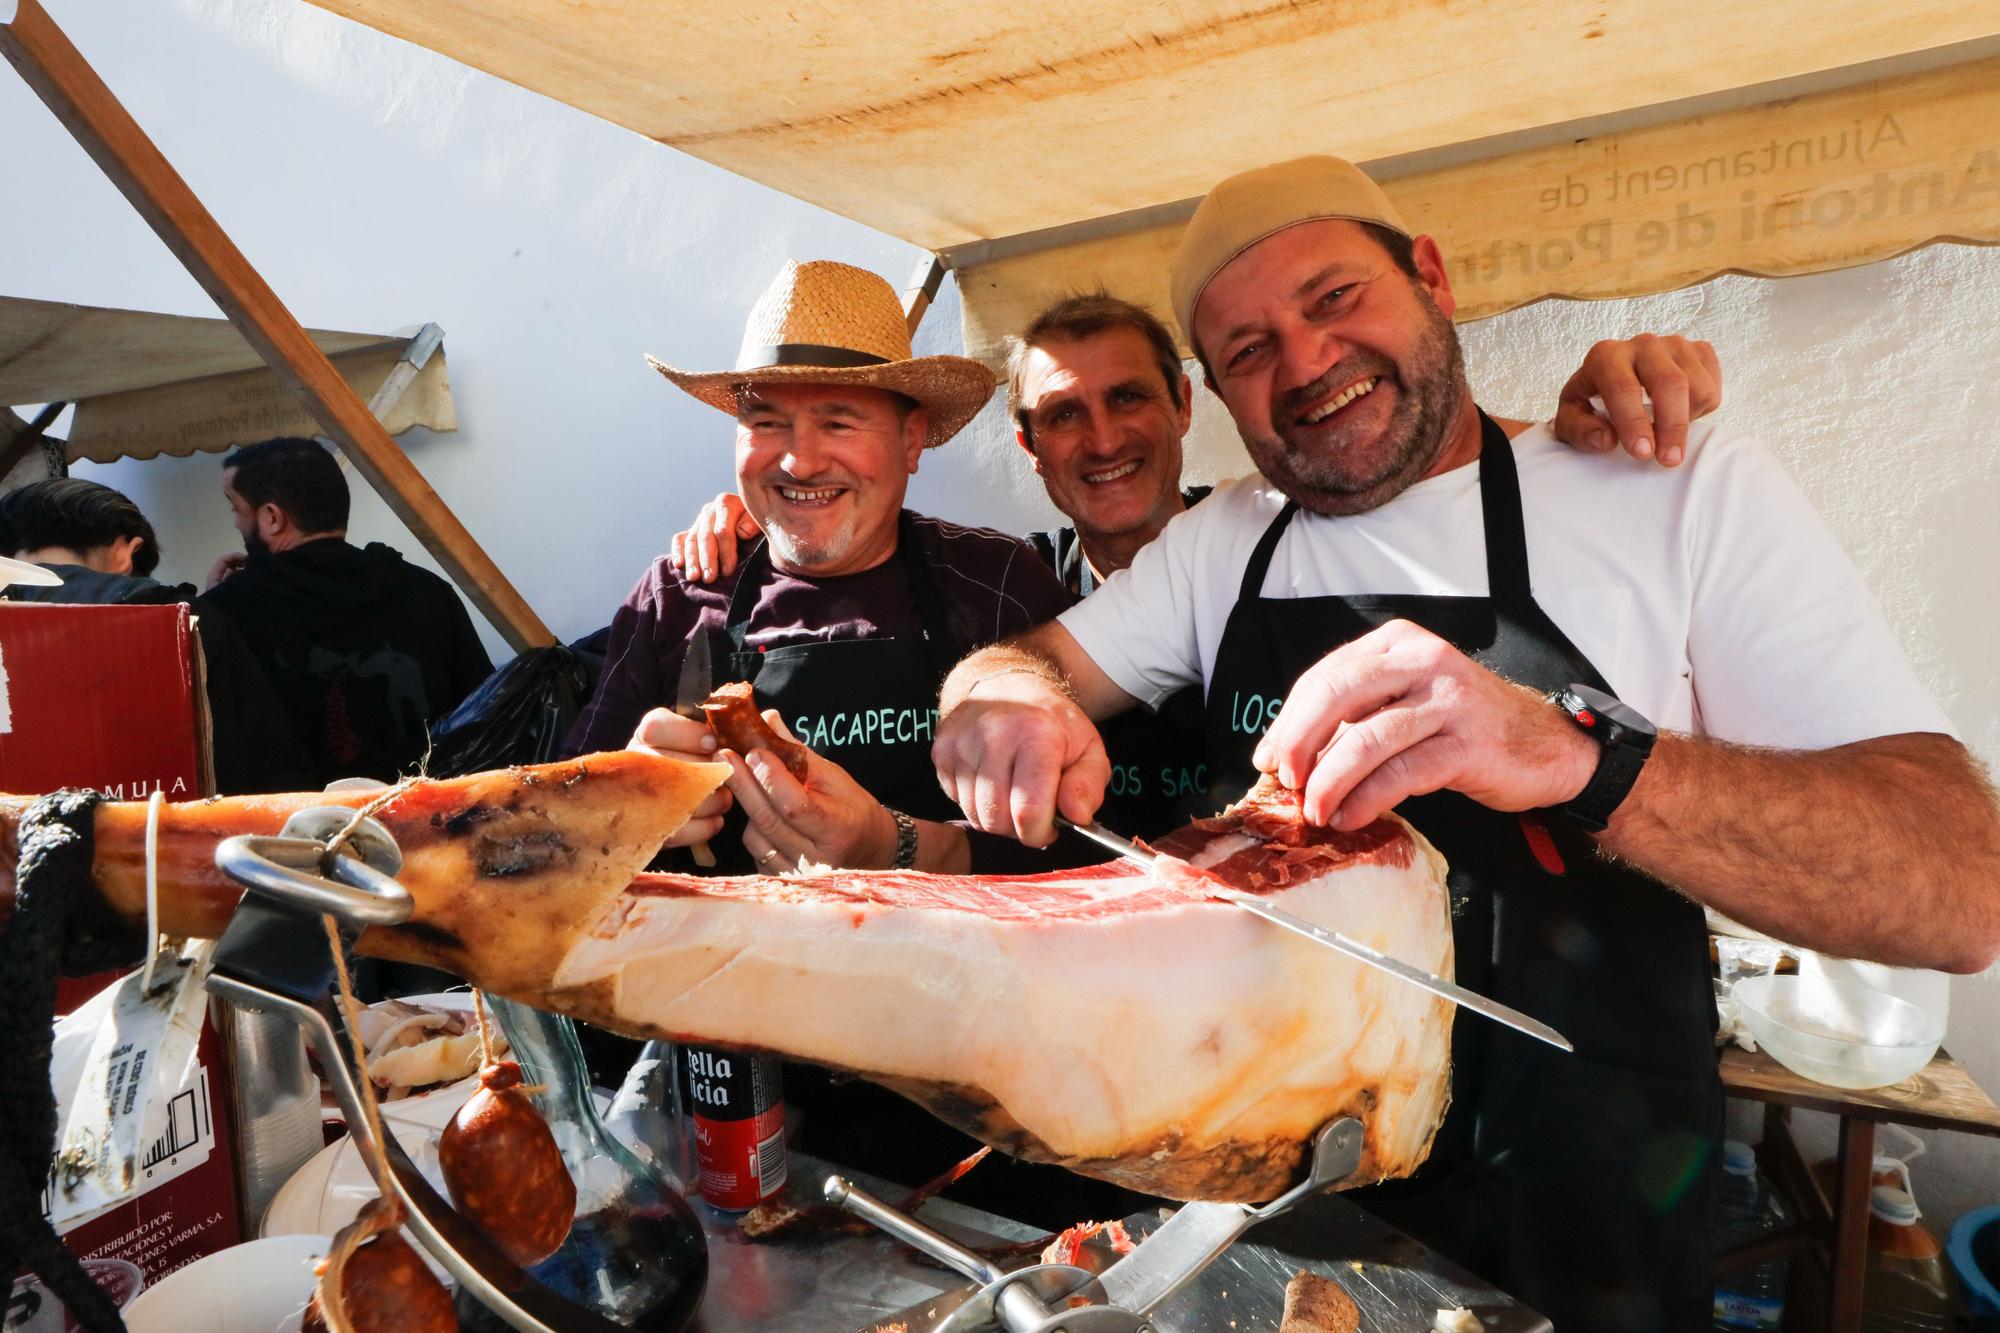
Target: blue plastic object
1975,1254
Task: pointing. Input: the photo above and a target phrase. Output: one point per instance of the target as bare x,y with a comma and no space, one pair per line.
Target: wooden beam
61,77
923,289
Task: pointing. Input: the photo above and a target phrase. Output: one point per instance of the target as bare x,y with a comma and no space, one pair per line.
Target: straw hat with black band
827,323
1254,205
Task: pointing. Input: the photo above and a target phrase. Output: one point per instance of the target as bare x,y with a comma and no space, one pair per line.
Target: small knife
1298,925
696,684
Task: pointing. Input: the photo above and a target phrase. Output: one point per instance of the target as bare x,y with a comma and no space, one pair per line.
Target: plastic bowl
1975,1255
1832,1032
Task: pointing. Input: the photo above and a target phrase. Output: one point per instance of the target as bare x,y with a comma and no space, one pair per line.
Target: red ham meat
1104,1019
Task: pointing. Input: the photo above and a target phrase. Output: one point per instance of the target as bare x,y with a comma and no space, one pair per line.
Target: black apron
870,705
1159,767
1582,1184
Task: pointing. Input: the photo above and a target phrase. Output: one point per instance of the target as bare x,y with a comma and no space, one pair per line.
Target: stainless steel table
846,1284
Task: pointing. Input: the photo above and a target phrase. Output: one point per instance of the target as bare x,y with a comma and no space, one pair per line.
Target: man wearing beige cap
1583,678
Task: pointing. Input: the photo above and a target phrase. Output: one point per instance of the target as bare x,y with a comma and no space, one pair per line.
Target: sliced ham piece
1104,1019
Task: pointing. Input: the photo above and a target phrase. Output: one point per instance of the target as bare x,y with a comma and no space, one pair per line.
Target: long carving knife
697,682
1334,940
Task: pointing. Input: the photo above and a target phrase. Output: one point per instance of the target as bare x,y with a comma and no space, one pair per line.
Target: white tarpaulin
146,384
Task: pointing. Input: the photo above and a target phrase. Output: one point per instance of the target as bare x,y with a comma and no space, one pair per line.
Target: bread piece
1315,1304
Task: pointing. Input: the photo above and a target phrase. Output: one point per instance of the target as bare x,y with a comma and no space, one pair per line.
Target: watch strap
1621,752
1617,770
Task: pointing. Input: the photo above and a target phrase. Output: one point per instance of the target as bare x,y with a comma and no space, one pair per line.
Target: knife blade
695,685
1334,940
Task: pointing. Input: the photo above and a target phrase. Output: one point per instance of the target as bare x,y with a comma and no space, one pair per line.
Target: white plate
267,1282
325,1194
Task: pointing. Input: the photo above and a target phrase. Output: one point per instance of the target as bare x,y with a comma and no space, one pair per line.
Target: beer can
736,1100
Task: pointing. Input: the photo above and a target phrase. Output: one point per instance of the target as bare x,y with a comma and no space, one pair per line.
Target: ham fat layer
1104,1019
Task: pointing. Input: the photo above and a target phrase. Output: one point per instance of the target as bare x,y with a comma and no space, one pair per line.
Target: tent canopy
1061,139
146,383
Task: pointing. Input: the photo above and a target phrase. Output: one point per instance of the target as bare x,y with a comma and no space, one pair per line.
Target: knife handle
703,857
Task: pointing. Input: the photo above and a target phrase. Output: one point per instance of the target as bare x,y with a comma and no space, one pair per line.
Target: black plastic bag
519,715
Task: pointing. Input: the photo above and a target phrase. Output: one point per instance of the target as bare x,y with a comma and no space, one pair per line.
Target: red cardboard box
102,696
111,697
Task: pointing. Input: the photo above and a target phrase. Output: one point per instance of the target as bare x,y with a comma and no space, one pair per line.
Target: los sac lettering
1254,715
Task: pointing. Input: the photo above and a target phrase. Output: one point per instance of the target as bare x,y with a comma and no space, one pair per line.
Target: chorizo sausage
733,717
504,1171
386,1288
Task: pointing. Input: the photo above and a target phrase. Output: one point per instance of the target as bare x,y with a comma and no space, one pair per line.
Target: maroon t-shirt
992,585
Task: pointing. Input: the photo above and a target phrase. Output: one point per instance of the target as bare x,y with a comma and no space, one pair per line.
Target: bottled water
1748,1297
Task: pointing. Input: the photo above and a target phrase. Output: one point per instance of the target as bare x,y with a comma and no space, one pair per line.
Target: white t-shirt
1711,596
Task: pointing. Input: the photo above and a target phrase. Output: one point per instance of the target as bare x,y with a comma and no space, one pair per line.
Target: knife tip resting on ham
1105,1019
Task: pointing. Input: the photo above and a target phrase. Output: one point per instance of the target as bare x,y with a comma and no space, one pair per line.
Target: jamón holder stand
1123,1298
273,958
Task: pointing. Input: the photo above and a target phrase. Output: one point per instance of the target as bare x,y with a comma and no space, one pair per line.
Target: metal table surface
851,1284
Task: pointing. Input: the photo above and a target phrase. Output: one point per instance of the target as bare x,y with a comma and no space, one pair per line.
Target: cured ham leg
1103,1019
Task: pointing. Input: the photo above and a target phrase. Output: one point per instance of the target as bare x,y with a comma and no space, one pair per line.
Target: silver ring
765,859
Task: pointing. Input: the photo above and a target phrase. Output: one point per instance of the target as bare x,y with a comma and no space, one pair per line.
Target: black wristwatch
1624,739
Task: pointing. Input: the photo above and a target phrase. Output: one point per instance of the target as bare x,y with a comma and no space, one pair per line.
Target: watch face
1609,718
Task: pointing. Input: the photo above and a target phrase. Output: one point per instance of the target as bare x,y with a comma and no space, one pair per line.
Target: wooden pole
923,289
61,77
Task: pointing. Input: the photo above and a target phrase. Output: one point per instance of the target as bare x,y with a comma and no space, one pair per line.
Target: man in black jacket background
365,649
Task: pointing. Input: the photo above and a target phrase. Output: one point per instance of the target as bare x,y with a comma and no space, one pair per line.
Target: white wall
376,186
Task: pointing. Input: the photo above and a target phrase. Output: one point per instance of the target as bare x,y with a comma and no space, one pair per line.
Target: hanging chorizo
504,1172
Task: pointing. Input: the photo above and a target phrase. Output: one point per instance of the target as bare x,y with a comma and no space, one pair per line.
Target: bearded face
1367,428
1342,370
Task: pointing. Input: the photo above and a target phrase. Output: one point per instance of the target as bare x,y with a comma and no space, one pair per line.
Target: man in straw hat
1101,404
847,617
1415,606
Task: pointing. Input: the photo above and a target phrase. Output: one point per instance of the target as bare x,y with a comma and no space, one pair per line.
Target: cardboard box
111,697
102,696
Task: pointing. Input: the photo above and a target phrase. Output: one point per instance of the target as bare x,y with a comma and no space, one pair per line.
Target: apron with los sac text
1580,1183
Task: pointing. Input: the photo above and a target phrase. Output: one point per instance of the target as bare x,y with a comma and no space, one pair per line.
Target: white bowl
1837,1033
261,1286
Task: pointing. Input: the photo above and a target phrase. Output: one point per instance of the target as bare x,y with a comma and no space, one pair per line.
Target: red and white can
737,1103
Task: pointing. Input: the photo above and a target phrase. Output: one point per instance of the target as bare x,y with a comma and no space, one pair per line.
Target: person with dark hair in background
366,649
103,549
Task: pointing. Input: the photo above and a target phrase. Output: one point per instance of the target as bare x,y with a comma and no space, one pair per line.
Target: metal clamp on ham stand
1123,1297
274,958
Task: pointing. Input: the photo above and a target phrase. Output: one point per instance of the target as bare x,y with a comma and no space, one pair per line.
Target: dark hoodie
365,649
254,748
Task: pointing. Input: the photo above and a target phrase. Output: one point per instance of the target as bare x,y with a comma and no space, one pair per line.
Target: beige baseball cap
1246,208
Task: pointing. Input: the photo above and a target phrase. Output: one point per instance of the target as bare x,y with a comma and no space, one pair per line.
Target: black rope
60,924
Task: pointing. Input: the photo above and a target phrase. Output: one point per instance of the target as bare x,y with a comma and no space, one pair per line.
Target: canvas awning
145,384
1555,146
